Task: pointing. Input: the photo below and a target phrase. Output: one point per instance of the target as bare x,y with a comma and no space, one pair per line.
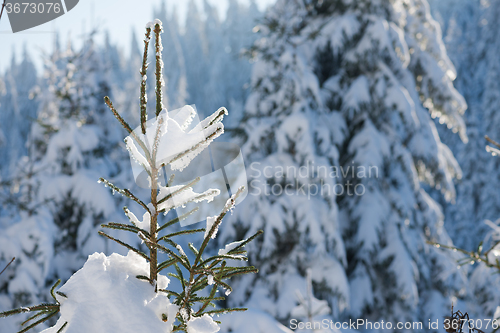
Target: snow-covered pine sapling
163,142
168,140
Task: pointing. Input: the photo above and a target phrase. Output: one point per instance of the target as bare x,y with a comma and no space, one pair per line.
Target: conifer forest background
384,103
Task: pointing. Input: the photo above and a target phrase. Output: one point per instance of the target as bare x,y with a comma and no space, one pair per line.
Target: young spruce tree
164,141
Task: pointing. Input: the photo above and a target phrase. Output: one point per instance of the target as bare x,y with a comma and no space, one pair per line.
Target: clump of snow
229,247
210,223
181,250
494,151
251,321
173,139
203,324
494,255
178,197
106,296
151,25
144,224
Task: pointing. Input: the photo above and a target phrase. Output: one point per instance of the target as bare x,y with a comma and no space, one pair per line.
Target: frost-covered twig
144,99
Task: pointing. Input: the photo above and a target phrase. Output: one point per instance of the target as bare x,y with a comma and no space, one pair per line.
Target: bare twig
8,265
3,6
493,142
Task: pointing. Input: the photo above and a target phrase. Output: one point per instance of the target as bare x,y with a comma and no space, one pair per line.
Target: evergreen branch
195,199
127,127
179,272
62,327
62,294
225,285
12,312
182,232
3,270
181,327
223,311
198,145
229,204
171,243
158,49
52,290
221,257
124,244
248,240
222,111
122,121
171,253
170,292
180,278
166,263
129,195
36,315
193,249
471,255
143,277
40,307
52,314
143,81
124,227
204,306
185,187
203,299
124,192
247,270
177,219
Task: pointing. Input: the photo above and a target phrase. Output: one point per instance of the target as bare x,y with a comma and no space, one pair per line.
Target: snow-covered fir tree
470,38
340,146
206,54
18,110
195,49
226,44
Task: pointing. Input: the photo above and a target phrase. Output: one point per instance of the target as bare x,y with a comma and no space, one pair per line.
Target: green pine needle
62,327
124,244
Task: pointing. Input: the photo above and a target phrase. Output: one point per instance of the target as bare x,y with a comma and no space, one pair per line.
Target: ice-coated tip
150,25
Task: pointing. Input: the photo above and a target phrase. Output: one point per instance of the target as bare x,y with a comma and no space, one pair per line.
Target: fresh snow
210,222
203,324
251,321
229,247
106,296
172,130
179,198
